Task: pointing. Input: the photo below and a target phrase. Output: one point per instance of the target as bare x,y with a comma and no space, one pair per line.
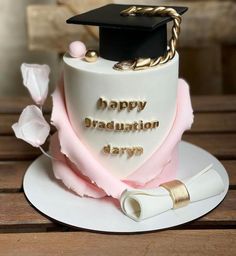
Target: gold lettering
123,105
130,152
128,127
135,126
87,122
101,125
107,149
122,151
148,125
119,127
110,125
141,125
115,151
132,105
95,123
141,105
101,104
113,105
139,151
155,124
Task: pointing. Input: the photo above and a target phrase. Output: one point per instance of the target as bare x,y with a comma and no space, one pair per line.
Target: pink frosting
183,121
71,177
81,172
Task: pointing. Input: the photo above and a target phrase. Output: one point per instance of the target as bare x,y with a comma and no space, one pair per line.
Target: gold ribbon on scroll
178,193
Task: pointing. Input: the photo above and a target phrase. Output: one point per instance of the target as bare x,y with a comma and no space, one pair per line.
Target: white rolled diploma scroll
143,204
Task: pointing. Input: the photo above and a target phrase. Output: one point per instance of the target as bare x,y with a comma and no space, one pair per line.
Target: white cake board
50,197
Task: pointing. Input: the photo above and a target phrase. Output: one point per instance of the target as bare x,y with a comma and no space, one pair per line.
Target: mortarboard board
122,37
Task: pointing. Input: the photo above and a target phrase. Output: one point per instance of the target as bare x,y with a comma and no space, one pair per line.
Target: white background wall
13,47
212,70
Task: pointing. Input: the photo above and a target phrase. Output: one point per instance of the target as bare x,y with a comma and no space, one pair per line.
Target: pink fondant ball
77,49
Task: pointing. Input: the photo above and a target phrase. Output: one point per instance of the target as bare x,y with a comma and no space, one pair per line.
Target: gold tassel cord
140,64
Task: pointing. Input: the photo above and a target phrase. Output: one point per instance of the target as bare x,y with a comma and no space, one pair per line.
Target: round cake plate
51,198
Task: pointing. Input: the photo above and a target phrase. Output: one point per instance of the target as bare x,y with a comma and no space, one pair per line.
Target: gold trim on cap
178,193
140,64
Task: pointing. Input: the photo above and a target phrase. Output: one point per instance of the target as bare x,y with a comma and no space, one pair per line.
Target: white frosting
86,82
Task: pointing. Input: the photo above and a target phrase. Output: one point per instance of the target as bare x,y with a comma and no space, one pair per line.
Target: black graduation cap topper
123,36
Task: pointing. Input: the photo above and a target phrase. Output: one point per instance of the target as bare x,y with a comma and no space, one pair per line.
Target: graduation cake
120,112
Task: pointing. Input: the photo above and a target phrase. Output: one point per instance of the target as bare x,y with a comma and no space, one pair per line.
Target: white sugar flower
36,79
32,126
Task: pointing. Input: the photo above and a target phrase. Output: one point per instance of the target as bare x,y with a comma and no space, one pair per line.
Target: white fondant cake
120,129
130,111
118,123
